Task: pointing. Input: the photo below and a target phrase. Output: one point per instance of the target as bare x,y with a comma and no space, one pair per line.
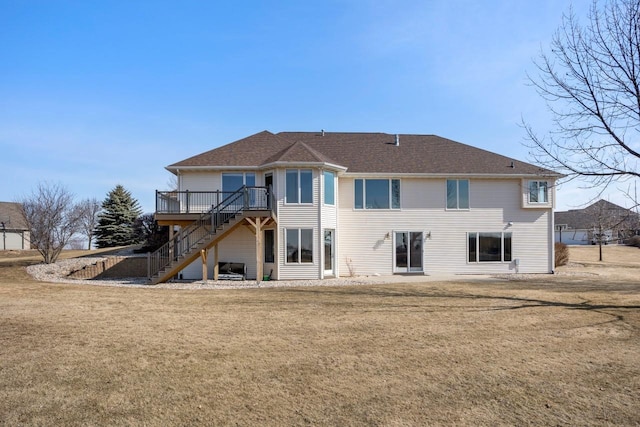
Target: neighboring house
14,231
310,205
583,226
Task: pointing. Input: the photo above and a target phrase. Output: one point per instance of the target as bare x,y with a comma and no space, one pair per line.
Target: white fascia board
177,170
321,165
449,175
266,166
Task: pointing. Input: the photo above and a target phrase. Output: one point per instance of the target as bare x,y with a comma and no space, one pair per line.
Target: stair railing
192,236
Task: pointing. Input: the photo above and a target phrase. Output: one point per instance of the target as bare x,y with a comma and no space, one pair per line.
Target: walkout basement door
407,252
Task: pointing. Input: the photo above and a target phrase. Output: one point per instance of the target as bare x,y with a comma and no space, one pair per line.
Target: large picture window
377,194
299,186
299,243
457,194
489,247
538,192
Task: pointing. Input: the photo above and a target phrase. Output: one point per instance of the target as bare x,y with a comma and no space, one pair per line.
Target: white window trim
244,177
397,269
286,244
446,198
364,194
286,200
324,188
477,261
546,202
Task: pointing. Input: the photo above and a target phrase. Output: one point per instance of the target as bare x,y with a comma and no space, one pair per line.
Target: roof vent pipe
397,140
512,165
322,132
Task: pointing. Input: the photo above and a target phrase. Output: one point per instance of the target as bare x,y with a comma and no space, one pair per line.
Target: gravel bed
58,272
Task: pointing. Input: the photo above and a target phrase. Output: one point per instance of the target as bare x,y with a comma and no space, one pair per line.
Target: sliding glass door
408,251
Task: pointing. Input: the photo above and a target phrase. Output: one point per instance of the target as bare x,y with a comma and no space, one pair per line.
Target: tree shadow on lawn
562,284
402,291
617,313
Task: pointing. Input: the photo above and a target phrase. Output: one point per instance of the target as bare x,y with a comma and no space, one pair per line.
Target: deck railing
229,204
190,202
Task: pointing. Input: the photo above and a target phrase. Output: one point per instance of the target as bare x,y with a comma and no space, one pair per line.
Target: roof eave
453,175
323,165
176,169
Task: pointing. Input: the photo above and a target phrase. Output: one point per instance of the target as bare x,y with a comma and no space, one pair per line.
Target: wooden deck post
203,256
257,224
215,262
259,268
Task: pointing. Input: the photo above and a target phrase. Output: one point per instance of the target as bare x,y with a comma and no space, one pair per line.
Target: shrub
562,254
634,241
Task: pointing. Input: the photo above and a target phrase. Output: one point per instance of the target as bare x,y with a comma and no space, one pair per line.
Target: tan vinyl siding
197,181
15,240
494,203
329,217
239,246
201,181
297,216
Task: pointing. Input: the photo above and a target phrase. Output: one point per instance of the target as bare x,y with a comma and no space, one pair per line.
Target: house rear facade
312,205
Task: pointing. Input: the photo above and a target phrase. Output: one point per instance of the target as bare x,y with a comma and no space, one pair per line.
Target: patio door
329,253
268,179
268,182
408,249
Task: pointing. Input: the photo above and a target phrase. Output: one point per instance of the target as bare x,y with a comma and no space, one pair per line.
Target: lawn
561,349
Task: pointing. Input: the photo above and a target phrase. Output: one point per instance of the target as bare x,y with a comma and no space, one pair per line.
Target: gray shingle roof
363,153
10,214
601,211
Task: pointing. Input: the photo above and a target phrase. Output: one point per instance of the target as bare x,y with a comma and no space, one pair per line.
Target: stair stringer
184,260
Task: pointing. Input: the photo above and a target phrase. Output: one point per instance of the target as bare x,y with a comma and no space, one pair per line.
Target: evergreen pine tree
117,219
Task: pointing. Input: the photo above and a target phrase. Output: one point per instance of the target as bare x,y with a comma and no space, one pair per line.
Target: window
233,181
299,183
329,188
489,247
457,194
269,246
377,194
299,245
538,192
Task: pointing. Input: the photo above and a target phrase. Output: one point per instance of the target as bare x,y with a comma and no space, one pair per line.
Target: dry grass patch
613,255
558,350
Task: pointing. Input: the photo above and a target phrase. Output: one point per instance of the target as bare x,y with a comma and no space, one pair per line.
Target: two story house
312,205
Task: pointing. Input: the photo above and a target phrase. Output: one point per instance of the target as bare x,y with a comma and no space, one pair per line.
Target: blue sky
95,94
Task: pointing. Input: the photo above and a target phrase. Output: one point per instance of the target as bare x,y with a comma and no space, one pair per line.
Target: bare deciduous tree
609,222
172,183
52,218
590,81
88,211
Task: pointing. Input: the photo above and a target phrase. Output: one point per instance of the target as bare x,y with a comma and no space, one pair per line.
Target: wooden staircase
212,226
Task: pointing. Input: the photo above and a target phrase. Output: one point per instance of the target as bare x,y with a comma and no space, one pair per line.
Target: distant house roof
603,212
11,216
362,153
